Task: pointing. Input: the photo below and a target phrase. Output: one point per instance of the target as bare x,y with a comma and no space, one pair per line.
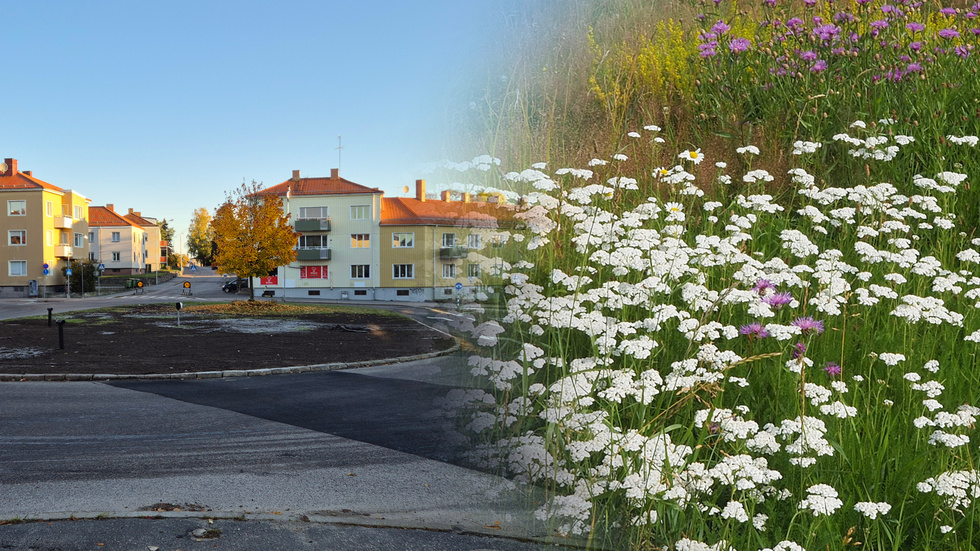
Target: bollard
49,316
61,334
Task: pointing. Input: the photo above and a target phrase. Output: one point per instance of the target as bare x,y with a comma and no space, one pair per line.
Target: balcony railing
62,251
312,224
313,253
453,252
62,222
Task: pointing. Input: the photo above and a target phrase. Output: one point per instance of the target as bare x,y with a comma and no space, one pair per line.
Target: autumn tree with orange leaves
252,234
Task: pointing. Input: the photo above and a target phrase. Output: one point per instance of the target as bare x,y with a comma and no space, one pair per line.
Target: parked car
232,285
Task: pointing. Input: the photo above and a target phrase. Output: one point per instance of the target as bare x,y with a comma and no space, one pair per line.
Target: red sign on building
313,272
269,280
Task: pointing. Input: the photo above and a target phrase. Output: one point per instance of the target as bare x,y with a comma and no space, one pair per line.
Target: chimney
446,196
466,197
131,211
27,172
11,167
111,207
295,175
334,173
420,190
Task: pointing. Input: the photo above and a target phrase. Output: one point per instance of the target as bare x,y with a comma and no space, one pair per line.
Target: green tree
167,234
200,236
252,234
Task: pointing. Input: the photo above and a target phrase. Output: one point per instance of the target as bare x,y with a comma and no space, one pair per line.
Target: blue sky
164,106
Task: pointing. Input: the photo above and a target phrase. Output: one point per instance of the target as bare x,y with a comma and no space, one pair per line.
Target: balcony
62,222
312,224
313,253
453,252
62,251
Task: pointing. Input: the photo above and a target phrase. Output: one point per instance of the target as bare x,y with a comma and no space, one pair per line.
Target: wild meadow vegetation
741,301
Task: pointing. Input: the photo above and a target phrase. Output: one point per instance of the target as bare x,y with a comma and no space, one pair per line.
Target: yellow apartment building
42,228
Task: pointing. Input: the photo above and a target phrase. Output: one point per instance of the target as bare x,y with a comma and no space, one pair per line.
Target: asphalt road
332,460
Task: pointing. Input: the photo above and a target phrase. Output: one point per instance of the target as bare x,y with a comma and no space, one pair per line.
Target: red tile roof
139,220
409,211
21,181
101,216
317,186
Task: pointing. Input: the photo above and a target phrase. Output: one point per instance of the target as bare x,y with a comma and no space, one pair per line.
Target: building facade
117,243
43,227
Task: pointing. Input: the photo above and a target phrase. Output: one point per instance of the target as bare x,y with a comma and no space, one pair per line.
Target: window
403,240
313,241
78,212
402,292
360,293
49,208
79,240
314,212
360,212
49,237
17,267
63,237
360,240
449,271
115,237
17,237
360,271
448,240
116,257
313,293
91,237
17,208
473,270
313,272
403,271
474,241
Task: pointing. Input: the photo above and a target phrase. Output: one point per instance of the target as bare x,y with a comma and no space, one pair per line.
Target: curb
63,377
338,518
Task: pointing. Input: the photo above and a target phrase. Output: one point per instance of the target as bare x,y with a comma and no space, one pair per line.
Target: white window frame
63,238
22,264
407,271
314,213
117,256
49,208
403,237
449,270
474,241
360,271
360,241
116,237
357,214
49,237
448,240
78,240
21,211
473,269
22,234
304,241
77,213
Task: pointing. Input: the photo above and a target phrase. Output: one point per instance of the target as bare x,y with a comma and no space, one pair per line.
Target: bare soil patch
146,339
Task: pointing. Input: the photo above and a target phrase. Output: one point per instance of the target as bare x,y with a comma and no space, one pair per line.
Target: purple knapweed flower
808,55
762,286
819,66
975,31
948,11
739,45
770,3
879,24
808,325
915,46
914,67
720,27
794,23
707,49
962,51
832,369
778,300
949,33
754,330
799,349
810,3
826,32
915,26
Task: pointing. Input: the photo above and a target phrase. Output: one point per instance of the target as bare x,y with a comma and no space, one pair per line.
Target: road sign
459,286
45,271
101,267
193,268
187,285
68,271
45,266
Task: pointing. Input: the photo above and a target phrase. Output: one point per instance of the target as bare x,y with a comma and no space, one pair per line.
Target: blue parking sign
459,286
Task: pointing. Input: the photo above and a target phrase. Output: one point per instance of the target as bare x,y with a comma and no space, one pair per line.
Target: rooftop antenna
340,147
